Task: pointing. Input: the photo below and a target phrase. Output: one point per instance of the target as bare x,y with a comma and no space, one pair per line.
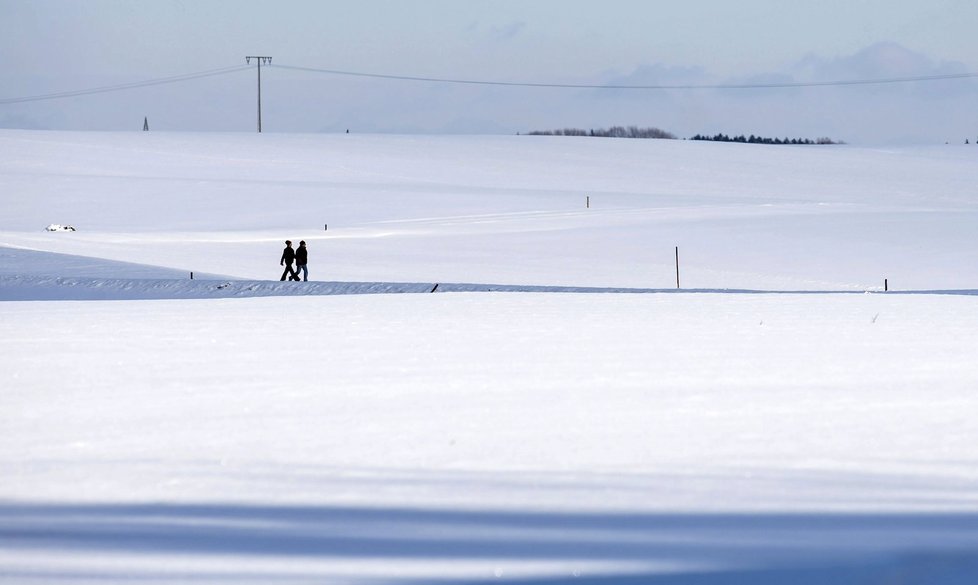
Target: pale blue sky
60,45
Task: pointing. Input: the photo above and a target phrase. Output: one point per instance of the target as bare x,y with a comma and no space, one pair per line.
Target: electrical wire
125,86
638,87
227,70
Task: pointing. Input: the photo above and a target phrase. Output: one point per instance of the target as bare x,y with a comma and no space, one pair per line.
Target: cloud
507,32
926,111
878,61
21,122
651,75
887,60
660,74
496,33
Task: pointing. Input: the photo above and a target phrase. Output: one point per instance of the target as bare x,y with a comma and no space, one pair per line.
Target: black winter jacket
288,255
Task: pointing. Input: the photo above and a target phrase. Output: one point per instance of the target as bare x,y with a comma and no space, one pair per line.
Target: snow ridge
42,288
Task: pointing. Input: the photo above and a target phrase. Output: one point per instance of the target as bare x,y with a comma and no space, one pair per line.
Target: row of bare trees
613,132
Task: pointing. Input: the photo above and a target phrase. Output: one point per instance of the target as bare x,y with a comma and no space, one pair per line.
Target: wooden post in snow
677,267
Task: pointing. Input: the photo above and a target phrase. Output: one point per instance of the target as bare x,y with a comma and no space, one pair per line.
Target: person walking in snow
301,257
288,257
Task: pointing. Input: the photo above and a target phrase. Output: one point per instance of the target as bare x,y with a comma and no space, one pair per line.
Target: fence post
677,267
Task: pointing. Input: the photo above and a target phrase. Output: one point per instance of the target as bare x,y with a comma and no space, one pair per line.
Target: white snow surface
558,412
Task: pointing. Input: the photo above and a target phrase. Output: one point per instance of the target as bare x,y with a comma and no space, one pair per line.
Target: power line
124,86
227,70
882,81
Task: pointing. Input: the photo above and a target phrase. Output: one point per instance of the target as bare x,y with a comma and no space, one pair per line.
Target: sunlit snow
486,379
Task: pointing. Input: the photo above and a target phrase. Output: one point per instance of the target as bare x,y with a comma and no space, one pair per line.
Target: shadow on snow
713,549
38,288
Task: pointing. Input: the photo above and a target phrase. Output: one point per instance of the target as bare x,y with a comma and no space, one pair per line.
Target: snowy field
556,412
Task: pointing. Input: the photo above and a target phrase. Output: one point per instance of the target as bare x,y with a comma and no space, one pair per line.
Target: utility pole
261,60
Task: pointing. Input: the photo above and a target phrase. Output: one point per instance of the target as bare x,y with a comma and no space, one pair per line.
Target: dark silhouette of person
301,259
288,257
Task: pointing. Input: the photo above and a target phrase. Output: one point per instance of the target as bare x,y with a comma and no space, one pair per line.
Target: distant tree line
613,132
636,132
762,140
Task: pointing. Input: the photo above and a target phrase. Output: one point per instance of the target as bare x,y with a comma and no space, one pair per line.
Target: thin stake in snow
677,267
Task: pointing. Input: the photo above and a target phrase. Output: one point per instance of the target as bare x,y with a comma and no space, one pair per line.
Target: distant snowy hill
506,210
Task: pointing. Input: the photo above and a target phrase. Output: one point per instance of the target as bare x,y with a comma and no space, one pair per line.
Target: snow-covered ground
778,420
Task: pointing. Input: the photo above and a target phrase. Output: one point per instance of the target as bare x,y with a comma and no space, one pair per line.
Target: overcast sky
53,46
